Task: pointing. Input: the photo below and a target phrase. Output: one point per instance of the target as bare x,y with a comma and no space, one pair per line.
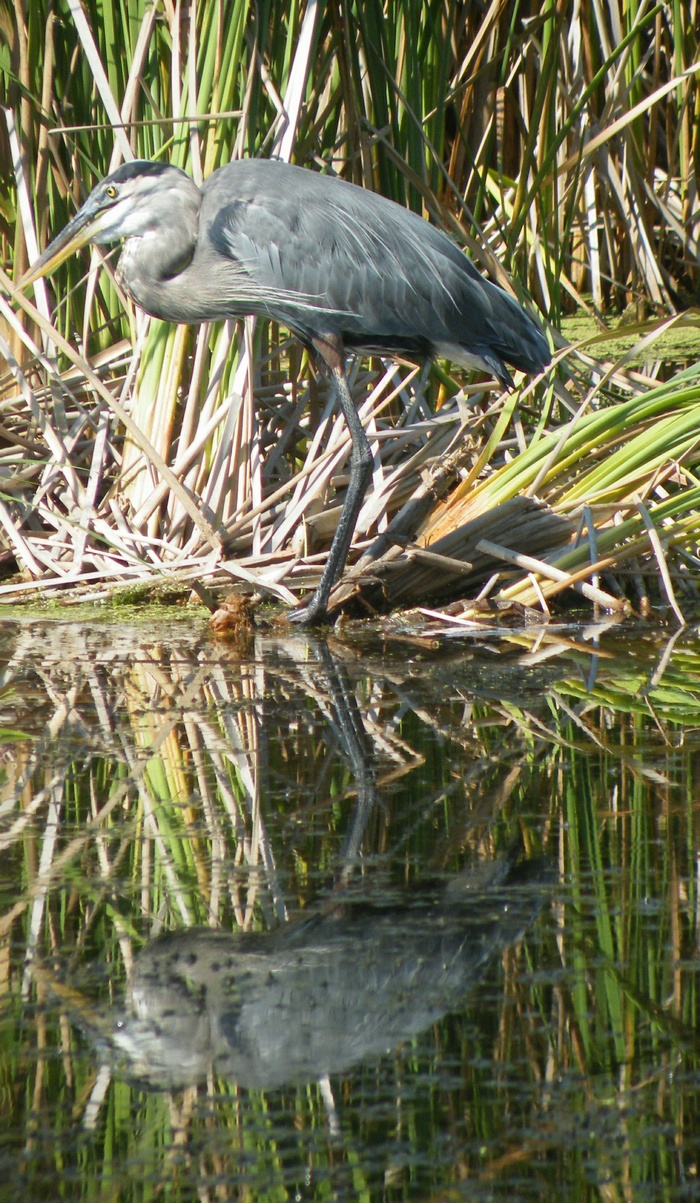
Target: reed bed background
558,145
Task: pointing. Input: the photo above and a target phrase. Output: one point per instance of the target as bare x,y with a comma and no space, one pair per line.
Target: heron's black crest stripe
137,168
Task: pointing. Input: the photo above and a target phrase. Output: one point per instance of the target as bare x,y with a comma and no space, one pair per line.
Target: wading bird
343,268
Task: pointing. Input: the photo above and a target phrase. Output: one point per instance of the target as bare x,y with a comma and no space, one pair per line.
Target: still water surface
365,916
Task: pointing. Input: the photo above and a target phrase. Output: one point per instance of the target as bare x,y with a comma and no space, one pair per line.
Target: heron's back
325,257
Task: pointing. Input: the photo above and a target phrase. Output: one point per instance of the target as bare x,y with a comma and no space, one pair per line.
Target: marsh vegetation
558,146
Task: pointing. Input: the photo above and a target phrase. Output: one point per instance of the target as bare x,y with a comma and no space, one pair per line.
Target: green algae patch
131,611
677,344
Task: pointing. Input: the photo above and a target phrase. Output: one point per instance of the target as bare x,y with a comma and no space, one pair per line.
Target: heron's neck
153,266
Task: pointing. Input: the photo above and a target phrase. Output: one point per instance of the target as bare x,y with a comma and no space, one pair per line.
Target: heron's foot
310,615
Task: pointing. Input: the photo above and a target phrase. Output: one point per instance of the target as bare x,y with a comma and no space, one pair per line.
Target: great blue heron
341,267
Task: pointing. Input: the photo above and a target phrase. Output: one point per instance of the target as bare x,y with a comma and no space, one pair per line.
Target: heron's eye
112,191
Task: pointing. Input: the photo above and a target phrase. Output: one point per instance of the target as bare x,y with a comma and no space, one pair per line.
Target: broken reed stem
561,579
656,544
445,563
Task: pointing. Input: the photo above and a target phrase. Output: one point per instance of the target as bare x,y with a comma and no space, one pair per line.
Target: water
355,917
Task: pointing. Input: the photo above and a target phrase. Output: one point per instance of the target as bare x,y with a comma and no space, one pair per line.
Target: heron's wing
274,266
325,257
304,241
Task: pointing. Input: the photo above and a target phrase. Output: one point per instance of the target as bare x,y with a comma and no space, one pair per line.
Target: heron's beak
80,230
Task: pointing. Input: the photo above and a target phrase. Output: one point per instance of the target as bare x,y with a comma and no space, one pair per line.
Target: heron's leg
360,472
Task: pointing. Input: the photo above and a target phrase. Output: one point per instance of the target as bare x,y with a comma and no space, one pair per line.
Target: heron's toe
310,615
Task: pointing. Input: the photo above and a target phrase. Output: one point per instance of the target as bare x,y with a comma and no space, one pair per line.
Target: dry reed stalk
564,579
459,562
658,550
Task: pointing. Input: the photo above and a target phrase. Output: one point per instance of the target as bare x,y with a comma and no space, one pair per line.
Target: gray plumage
341,267
321,995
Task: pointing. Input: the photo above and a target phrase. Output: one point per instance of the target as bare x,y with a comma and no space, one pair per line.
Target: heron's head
136,198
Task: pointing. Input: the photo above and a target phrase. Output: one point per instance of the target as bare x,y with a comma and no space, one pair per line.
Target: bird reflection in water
320,995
